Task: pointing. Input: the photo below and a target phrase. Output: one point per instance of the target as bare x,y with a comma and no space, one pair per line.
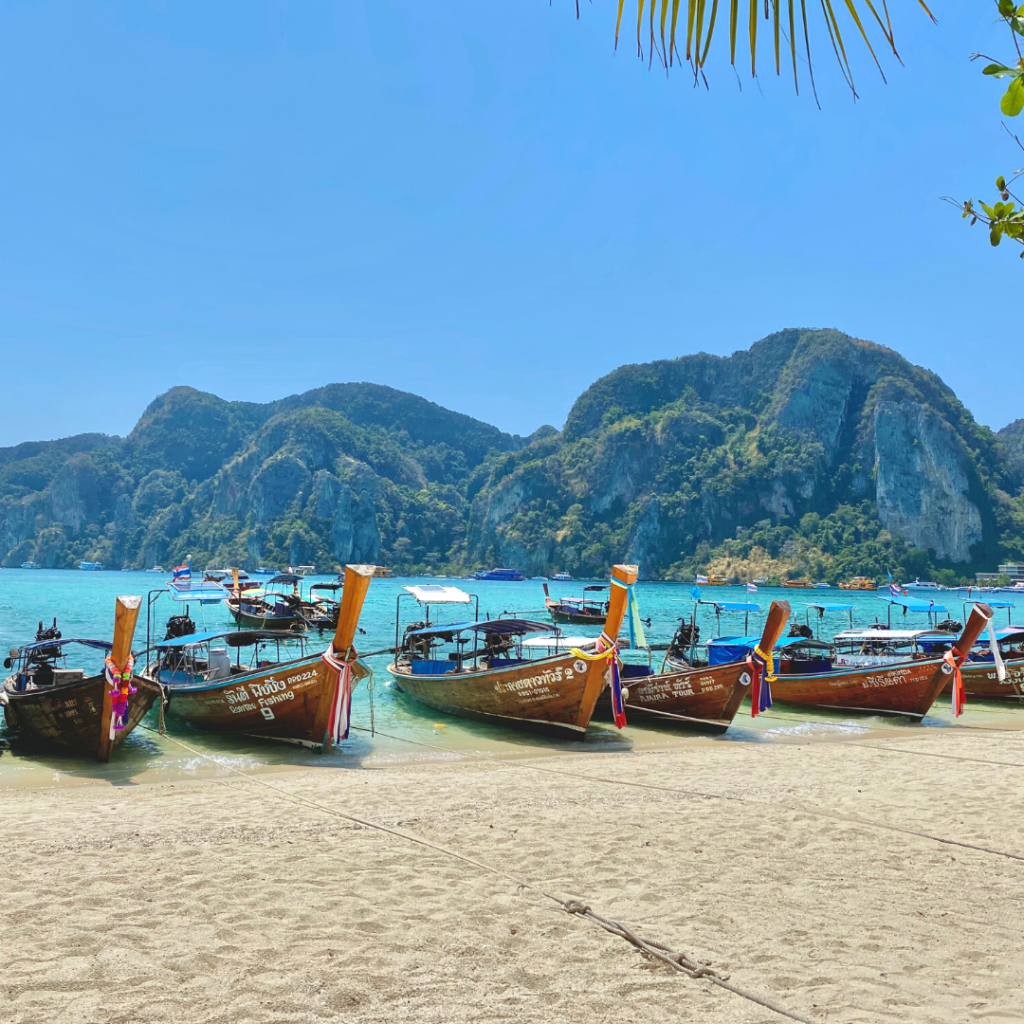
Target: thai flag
701,579
751,588
182,572
894,590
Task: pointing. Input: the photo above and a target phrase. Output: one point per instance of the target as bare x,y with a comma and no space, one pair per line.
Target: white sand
227,902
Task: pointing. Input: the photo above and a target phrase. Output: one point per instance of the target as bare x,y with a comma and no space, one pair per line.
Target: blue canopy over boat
503,627
38,645
727,649
232,637
912,605
832,607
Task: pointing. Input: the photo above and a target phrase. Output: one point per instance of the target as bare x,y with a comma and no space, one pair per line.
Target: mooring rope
678,961
804,808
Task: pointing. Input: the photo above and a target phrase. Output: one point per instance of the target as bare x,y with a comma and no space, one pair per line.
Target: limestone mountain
741,462
809,453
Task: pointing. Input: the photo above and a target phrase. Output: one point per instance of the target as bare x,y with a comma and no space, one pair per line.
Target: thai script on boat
546,678
891,678
267,687
642,692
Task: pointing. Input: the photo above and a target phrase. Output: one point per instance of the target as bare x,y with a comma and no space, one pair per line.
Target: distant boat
31,565
90,566
711,581
503,575
382,571
562,577
823,586
921,585
302,570
800,584
858,583
157,568
264,570
581,611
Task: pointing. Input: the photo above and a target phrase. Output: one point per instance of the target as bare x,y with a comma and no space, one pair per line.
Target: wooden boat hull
559,614
554,695
244,618
706,699
289,701
907,688
70,714
982,683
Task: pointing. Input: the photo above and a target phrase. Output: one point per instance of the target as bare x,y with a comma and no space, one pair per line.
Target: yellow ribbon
592,657
769,663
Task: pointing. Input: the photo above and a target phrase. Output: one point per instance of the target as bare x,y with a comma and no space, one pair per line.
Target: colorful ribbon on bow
120,682
341,702
955,659
611,654
762,675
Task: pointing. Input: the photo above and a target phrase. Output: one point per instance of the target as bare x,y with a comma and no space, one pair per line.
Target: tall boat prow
705,697
499,678
302,699
89,714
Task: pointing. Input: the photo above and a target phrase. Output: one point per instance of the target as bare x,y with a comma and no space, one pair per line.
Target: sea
389,728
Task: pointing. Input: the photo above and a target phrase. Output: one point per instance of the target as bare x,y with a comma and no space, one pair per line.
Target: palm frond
663,23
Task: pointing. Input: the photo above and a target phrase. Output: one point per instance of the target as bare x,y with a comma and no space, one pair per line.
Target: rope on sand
849,819
678,961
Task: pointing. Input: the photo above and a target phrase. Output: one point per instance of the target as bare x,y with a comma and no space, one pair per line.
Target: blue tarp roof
913,605
726,649
99,645
994,604
502,626
232,637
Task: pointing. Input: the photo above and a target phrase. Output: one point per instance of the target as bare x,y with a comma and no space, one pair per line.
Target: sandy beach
781,865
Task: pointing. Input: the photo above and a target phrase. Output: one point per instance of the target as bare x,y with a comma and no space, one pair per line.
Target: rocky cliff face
809,440
663,458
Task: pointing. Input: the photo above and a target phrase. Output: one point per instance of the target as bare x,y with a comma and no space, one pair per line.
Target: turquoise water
83,603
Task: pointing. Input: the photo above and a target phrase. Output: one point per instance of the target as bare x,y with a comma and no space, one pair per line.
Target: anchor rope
677,961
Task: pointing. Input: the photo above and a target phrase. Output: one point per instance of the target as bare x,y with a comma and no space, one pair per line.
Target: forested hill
810,453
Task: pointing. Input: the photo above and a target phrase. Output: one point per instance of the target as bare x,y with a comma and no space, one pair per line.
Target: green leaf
997,70
1001,183
1012,102
995,236
1007,8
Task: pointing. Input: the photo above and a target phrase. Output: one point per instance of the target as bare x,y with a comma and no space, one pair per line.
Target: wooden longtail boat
579,611
705,698
908,688
63,705
982,682
296,699
268,608
494,682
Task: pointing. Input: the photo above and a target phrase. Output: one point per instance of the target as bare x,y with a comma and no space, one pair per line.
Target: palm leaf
701,19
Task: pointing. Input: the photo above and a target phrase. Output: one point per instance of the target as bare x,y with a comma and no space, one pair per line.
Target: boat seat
430,668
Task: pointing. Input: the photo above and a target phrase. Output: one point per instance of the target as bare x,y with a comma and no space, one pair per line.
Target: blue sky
480,203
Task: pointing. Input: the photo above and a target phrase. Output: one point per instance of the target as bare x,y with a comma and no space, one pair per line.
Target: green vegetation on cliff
811,453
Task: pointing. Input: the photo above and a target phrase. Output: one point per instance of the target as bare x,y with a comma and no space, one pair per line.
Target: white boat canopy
561,643
435,593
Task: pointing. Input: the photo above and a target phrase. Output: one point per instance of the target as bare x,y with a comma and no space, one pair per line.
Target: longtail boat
811,672
272,607
704,697
495,679
304,699
579,611
89,714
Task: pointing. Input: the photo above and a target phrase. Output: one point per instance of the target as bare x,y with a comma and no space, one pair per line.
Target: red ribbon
341,702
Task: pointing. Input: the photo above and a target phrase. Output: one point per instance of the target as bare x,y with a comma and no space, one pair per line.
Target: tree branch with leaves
1005,217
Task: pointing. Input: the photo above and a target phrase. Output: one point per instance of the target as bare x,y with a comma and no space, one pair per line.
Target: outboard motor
801,629
179,625
685,637
949,626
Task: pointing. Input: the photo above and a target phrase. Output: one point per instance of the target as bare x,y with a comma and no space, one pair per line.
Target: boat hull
554,695
289,701
70,714
907,688
244,618
982,683
705,699
575,618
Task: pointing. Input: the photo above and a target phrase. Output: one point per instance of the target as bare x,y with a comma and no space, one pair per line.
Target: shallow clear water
83,603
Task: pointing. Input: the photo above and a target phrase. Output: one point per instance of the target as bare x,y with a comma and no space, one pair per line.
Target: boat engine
685,637
801,629
949,626
179,625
